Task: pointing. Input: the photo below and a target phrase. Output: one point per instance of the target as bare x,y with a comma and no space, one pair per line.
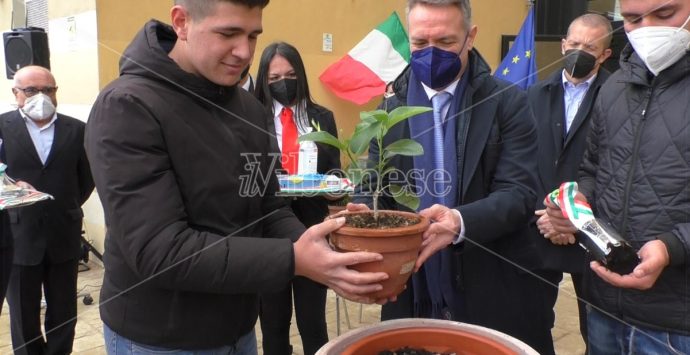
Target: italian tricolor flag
378,59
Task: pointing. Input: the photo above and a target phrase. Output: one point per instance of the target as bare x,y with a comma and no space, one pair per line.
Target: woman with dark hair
281,85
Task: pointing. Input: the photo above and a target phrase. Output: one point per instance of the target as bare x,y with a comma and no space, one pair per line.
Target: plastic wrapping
313,185
12,195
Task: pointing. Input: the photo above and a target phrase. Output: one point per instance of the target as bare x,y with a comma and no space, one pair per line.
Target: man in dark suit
45,149
481,138
561,105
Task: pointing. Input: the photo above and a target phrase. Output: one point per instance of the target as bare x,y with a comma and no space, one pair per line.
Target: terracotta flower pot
433,335
399,247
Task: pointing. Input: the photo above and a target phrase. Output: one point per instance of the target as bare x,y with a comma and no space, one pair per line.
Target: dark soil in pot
384,221
411,351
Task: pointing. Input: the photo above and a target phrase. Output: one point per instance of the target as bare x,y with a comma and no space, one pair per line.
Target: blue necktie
438,102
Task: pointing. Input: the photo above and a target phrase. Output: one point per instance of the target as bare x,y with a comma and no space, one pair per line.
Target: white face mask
39,107
660,46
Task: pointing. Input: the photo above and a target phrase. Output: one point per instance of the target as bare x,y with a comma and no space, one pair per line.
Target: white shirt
247,83
450,89
42,137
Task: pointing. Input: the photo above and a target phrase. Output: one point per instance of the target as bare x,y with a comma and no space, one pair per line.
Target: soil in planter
411,351
385,221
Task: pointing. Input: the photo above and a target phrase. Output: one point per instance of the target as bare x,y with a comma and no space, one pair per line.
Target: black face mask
579,63
284,91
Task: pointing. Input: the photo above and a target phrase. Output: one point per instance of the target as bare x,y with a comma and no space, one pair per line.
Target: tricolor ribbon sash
603,242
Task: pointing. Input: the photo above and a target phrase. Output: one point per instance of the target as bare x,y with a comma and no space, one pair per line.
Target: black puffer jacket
636,174
181,166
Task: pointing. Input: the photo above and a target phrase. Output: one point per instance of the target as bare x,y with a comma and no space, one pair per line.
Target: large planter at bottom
433,335
399,247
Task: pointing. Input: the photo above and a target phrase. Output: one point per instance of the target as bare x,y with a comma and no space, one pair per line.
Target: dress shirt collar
449,89
31,122
567,84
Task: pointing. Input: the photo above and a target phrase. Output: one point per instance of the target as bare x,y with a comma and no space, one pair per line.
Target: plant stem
353,161
379,172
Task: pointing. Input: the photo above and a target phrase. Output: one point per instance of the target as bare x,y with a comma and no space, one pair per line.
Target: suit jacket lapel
273,142
18,129
313,117
556,112
60,138
478,127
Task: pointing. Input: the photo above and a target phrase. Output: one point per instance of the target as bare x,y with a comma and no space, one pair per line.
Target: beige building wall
118,22
5,15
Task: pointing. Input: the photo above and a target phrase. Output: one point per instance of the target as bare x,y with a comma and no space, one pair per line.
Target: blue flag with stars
519,65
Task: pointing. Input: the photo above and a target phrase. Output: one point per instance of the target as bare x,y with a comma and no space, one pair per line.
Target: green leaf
361,137
404,112
356,176
377,115
406,147
362,126
322,137
387,171
404,197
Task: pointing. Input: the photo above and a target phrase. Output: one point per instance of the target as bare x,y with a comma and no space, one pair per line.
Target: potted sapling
397,235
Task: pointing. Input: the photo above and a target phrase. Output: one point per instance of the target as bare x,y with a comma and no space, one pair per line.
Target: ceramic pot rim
397,231
341,343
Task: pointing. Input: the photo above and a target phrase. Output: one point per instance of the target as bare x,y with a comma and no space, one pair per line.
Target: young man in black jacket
635,175
180,156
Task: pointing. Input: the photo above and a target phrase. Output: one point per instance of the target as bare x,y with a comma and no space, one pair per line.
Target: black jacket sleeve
147,216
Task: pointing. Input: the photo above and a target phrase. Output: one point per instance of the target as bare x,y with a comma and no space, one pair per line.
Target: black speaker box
25,46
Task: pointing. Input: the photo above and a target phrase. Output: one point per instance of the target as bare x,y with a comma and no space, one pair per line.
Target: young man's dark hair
199,9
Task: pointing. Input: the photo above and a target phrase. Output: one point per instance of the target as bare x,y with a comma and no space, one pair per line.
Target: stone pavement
89,336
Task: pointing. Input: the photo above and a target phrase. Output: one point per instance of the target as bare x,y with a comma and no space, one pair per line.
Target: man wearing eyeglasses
46,150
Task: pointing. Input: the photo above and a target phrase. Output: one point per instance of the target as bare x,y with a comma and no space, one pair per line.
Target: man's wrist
674,248
461,231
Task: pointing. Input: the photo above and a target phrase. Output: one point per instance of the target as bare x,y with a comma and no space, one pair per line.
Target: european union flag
519,65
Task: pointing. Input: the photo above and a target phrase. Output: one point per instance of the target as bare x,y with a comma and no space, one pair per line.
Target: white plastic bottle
308,155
